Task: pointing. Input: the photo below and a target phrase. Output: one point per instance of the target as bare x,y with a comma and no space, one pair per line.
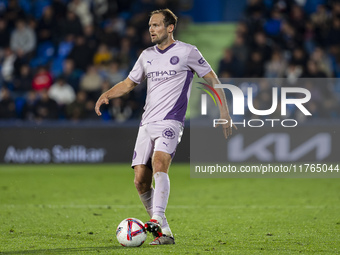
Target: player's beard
161,39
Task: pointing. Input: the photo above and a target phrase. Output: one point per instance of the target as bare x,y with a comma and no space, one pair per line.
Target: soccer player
169,67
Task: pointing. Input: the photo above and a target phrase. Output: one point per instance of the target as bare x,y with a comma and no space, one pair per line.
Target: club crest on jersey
174,60
168,133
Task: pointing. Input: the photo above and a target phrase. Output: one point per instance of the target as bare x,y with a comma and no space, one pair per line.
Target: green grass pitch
75,209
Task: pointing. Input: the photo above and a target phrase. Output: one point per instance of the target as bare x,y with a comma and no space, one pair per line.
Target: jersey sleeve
137,73
197,63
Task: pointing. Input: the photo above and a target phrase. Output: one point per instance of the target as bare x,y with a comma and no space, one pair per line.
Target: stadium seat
56,66
38,7
64,48
26,5
19,104
45,52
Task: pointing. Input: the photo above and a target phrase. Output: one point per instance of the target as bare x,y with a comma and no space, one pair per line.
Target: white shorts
161,135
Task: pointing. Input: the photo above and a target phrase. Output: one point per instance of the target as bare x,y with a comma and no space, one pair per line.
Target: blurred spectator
297,19
4,36
262,45
171,4
20,60
23,83
333,36
100,9
125,54
105,86
289,40
45,107
109,36
313,71
335,8
146,41
310,37
70,25
90,113
119,110
42,80
299,57
7,70
46,28
91,37
255,15
273,25
276,67
254,6
134,37
321,17
91,83
7,105
59,9
240,50
103,55
80,54
61,92
255,66
28,110
293,73
77,109
71,75
243,31
23,38
113,75
82,9
229,64
13,13
323,61
65,46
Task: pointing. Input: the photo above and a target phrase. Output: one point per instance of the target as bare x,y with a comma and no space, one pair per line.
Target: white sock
147,200
166,228
161,196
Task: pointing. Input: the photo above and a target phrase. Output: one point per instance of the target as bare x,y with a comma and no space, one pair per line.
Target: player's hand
103,99
227,128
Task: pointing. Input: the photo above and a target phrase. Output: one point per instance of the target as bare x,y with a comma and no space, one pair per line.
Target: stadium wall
106,144
312,143
89,144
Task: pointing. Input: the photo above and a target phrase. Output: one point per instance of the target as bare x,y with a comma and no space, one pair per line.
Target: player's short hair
169,17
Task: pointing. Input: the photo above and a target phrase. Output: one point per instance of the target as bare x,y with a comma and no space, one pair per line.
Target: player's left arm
212,79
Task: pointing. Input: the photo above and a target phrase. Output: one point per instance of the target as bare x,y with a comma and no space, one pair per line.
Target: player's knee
159,166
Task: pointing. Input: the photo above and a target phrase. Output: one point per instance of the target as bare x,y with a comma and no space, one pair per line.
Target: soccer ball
130,232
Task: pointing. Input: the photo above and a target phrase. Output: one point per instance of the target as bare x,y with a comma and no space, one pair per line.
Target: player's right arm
120,89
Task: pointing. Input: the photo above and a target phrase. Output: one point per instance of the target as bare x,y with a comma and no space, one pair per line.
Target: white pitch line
73,206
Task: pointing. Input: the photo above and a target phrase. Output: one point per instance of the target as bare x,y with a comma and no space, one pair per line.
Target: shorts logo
168,133
174,60
201,61
134,155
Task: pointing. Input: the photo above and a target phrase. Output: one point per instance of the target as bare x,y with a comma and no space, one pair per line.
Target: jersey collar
166,49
